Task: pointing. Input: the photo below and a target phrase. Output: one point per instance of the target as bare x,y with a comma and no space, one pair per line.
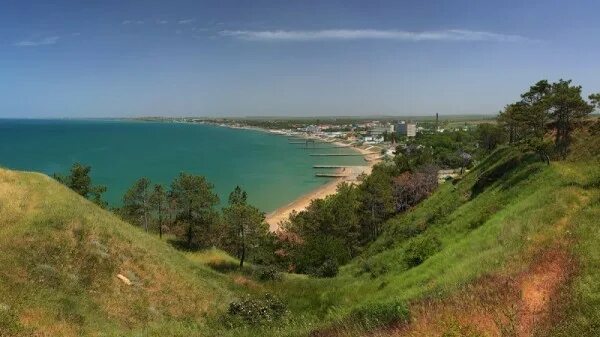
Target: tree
489,136
238,196
411,188
244,226
332,219
136,203
411,156
193,199
79,180
595,99
526,120
158,202
566,107
535,118
509,121
557,106
345,223
376,201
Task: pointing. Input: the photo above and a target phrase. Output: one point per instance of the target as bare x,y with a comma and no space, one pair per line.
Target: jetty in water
329,166
336,154
331,175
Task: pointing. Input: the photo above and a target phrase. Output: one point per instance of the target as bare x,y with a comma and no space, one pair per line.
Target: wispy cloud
132,22
370,34
38,42
185,21
162,22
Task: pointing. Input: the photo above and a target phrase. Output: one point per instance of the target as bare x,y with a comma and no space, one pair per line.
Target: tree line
542,120
186,210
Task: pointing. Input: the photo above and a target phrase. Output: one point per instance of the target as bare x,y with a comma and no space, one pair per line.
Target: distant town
377,134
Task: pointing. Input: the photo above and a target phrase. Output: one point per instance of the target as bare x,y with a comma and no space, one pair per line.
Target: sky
115,58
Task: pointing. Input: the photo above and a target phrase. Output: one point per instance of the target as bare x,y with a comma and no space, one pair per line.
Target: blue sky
282,58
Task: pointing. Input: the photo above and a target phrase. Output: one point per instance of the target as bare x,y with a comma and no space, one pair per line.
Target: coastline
277,217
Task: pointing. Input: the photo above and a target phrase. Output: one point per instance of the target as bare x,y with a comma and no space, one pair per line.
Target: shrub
380,314
312,257
420,249
374,269
329,268
268,273
223,266
256,311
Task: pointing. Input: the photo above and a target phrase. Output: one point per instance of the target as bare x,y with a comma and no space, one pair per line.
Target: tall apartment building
406,129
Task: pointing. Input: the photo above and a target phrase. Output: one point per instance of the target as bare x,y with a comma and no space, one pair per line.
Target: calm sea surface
273,171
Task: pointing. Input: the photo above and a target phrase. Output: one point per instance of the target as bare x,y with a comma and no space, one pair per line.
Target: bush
381,314
223,266
320,255
329,268
268,273
420,249
374,269
256,311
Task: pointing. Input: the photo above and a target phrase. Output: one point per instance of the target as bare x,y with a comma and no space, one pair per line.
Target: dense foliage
547,107
255,310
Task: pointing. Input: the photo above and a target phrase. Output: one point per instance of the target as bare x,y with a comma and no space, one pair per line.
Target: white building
372,139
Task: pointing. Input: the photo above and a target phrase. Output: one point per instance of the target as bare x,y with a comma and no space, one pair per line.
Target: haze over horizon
274,58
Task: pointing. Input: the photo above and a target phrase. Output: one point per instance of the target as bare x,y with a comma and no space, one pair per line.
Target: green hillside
61,255
511,249
513,245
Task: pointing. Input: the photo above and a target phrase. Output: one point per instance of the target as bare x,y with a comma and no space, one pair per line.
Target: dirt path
505,305
539,288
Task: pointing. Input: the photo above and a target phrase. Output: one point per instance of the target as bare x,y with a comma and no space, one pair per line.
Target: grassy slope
492,242
504,230
60,259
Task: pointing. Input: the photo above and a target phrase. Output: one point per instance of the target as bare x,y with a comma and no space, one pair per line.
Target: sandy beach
275,218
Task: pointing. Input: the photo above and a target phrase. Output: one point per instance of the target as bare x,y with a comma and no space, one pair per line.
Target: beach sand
275,218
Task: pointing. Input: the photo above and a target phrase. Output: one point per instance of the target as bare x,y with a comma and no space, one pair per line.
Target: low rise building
372,139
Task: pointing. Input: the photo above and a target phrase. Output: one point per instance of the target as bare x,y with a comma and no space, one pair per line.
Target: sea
272,170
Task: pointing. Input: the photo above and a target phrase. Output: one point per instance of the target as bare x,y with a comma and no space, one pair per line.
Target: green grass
61,256
494,221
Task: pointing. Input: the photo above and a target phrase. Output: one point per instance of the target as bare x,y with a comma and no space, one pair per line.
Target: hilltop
61,257
509,249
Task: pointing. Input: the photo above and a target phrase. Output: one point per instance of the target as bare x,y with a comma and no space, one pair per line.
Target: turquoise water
273,171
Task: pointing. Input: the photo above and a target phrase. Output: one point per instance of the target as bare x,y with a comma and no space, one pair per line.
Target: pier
331,175
336,154
334,147
328,166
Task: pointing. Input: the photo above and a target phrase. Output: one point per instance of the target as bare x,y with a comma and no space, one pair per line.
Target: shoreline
275,218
